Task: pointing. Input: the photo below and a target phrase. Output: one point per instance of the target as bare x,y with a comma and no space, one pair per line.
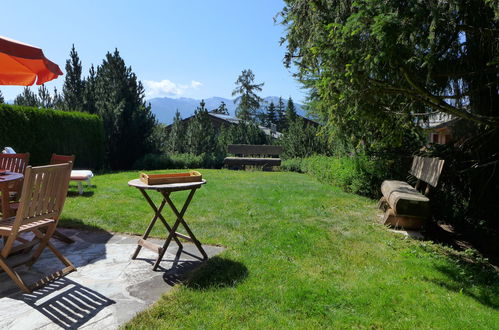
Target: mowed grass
300,254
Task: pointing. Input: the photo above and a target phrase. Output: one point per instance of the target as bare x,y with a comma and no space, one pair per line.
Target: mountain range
164,107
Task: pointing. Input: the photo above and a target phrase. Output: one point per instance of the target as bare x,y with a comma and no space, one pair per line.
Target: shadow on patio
67,303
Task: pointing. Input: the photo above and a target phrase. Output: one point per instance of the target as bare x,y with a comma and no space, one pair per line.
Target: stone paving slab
107,290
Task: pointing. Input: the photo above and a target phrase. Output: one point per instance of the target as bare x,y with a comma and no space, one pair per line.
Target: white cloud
196,84
168,88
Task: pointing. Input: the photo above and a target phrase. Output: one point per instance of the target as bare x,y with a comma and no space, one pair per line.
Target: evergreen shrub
42,132
357,174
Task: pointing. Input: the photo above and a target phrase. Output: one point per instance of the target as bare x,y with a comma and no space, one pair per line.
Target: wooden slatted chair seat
7,225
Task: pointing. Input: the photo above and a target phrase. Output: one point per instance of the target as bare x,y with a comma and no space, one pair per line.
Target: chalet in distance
218,120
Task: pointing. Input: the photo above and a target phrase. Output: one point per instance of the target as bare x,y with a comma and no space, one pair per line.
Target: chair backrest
43,195
427,169
14,162
61,159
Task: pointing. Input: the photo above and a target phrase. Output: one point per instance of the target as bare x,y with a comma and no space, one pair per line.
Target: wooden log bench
407,206
265,156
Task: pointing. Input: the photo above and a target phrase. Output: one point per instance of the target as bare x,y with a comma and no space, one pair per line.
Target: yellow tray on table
153,179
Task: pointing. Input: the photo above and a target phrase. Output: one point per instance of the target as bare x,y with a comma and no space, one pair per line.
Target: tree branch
436,102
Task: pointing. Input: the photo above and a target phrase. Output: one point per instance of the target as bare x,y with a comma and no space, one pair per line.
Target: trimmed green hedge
44,131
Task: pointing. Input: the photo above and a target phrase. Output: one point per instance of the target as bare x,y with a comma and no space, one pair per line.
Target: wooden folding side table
165,190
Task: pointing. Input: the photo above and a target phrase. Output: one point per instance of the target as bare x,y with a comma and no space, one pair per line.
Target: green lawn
300,254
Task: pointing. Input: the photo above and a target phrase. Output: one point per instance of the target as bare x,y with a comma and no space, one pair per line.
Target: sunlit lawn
300,254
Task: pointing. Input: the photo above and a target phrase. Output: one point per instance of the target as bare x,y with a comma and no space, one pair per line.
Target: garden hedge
42,132
357,174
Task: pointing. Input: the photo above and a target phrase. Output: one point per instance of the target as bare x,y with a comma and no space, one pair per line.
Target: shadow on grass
217,273
77,224
478,280
460,239
72,193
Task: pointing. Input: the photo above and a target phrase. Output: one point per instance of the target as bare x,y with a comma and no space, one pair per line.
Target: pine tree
271,115
290,112
159,138
301,140
260,117
248,133
248,102
128,121
44,97
281,115
27,98
73,84
222,109
176,137
200,132
89,92
57,100
2,100
224,138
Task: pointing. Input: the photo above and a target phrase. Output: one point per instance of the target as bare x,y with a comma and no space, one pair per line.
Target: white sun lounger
80,176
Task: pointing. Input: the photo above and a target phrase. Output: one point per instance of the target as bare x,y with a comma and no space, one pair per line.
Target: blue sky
190,48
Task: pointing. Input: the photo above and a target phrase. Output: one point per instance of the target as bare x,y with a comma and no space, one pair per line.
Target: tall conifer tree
128,121
27,98
44,97
57,100
200,132
271,115
89,92
73,84
176,137
222,109
248,102
290,112
281,115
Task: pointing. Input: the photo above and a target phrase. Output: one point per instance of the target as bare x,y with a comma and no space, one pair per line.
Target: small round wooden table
165,190
6,181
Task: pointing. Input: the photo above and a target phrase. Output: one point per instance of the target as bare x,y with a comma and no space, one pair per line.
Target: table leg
153,221
180,218
5,201
157,214
168,228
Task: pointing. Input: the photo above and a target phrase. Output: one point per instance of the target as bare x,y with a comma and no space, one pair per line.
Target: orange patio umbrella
23,64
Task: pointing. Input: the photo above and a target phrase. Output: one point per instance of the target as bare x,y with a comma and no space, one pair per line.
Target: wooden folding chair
42,199
14,162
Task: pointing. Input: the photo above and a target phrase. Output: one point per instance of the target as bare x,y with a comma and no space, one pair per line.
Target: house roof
235,120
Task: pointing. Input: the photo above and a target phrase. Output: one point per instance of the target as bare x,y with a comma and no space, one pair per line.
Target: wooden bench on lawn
253,155
407,206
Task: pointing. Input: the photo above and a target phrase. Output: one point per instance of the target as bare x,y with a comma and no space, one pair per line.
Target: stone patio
107,290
